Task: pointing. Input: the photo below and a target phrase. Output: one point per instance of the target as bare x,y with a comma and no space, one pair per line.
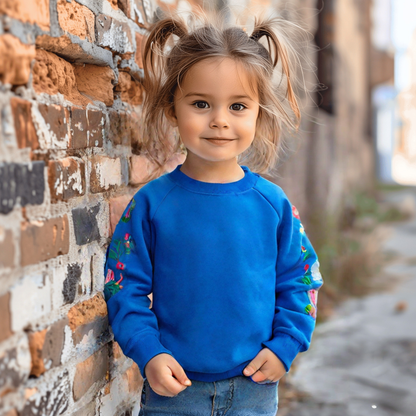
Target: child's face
215,100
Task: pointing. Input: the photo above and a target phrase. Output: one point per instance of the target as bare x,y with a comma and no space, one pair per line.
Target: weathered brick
52,400
141,169
7,249
129,89
66,178
134,379
85,224
87,128
140,16
35,12
46,347
114,34
71,281
125,7
35,289
36,341
88,372
23,124
52,74
23,182
88,410
76,19
105,174
86,316
5,321
14,365
44,240
119,128
138,57
15,61
57,123
96,82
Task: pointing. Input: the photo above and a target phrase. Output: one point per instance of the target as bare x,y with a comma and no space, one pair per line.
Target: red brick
93,369
76,19
36,341
119,129
5,321
15,61
23,124
114,34
87,315
87,128
44,240
134,379
105,174
57,120
96,82
52,74
7,249
46,347
129,89
140,42
124,6
27,11
66,178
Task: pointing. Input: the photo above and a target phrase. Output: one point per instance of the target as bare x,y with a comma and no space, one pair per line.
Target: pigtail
153,56
279,51
157,142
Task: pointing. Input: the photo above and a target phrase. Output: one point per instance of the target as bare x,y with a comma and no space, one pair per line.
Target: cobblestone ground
362,361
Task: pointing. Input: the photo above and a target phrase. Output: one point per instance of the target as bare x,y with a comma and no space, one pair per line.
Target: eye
196,104
239,108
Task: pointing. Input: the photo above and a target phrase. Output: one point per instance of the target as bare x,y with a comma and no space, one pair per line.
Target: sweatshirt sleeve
297,283
128,280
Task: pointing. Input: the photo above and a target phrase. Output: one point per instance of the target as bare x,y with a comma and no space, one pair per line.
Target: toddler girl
233,275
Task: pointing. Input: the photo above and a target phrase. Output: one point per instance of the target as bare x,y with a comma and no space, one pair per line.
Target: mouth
218,140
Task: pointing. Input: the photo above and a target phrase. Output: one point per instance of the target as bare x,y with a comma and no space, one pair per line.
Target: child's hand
159,373
266,366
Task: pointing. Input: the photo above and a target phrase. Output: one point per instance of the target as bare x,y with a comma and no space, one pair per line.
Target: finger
179,373
254,365
259,377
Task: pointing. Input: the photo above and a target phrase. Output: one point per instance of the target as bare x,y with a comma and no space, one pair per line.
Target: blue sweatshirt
230,268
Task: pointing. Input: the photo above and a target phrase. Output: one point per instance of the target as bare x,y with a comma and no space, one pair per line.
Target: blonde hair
166,62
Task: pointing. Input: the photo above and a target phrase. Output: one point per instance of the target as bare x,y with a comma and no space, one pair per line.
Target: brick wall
70,95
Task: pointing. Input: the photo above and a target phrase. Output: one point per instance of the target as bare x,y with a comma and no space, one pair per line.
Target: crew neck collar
242,185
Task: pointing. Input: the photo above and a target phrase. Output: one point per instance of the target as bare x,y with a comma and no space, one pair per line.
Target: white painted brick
30,300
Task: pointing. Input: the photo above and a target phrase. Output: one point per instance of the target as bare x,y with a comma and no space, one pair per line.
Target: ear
171,116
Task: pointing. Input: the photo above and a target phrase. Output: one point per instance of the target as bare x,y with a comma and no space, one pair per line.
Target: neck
215,172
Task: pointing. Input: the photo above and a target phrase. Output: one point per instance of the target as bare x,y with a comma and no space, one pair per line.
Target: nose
219,120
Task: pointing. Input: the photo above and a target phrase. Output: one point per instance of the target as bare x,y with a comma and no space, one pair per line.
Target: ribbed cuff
142,348
285,347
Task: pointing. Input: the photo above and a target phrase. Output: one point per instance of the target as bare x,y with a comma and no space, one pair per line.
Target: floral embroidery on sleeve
111,287
119,248
311,273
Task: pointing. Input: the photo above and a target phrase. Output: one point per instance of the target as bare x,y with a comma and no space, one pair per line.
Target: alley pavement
362,361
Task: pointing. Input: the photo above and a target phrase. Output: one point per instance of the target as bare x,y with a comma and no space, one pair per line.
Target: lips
219,140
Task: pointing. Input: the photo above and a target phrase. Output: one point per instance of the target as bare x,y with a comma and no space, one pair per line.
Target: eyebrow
234,97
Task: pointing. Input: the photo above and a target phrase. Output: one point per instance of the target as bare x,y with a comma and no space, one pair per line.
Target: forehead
219,77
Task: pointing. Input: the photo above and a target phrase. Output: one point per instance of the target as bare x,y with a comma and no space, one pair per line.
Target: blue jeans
236,396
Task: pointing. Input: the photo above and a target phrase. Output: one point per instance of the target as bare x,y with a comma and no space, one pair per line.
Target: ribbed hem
236,371
285,347
142,348
242,185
